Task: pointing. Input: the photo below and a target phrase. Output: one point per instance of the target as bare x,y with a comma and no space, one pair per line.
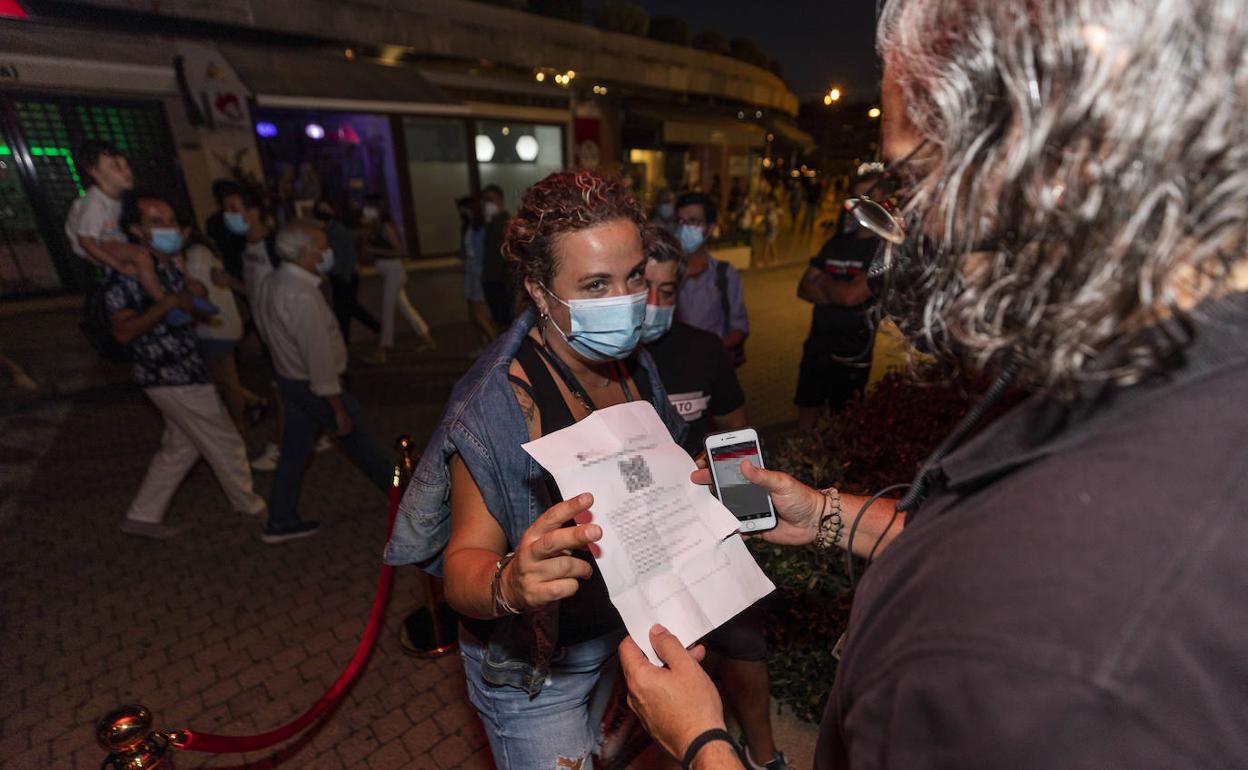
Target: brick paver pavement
214,630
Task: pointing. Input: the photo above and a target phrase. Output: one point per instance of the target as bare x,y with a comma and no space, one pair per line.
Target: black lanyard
574,384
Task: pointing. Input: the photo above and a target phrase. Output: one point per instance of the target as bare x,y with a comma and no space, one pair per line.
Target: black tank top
588,613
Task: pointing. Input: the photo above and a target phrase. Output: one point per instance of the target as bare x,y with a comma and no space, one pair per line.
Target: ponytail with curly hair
564,202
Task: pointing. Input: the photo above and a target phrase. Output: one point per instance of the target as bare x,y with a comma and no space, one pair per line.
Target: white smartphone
749,503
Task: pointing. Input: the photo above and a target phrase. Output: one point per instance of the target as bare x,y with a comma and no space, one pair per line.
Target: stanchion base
420,638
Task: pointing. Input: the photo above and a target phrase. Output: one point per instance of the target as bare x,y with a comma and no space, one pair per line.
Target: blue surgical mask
605,329
166,240
658,322
327,261
666,210
691,238
236,223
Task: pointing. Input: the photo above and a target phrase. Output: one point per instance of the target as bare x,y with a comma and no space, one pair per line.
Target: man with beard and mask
168,367
309,357
836,357
1067,586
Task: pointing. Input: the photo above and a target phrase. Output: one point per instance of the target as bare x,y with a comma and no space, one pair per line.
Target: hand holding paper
663,552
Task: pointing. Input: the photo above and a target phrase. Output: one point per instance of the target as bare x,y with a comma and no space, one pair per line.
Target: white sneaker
266,461
324,445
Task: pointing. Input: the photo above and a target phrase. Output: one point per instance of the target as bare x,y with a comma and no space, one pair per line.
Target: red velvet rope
229,744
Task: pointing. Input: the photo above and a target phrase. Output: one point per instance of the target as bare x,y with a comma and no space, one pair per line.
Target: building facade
420,103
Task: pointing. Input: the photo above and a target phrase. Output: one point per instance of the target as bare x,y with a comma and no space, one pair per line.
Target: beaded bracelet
830,523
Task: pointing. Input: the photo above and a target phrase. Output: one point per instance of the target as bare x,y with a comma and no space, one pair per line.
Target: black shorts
742,637
826,379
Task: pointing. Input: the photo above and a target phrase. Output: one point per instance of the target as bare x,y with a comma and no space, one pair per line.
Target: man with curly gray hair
1067,590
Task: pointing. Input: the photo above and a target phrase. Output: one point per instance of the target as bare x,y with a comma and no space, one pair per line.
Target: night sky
819,42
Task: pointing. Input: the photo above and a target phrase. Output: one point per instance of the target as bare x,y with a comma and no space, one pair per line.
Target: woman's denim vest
483,425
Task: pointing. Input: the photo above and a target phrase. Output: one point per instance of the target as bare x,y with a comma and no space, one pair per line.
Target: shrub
670,29
625,18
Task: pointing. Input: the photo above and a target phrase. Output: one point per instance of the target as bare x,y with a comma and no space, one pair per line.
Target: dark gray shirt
1074,595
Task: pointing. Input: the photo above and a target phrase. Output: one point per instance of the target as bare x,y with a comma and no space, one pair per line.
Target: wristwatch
501,605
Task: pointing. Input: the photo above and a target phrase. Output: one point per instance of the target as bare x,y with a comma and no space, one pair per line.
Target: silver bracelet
830,522
501,605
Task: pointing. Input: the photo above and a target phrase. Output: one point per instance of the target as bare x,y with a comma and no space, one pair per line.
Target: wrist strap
714,734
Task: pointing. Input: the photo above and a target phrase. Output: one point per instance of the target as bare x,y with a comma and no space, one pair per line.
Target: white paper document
668,552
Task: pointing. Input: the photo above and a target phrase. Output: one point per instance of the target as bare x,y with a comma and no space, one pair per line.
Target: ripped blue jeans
562,726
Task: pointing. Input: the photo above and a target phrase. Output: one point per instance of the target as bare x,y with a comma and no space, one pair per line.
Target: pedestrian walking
309,356
167,365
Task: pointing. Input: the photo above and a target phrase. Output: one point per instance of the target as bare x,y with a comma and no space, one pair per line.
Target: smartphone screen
748,502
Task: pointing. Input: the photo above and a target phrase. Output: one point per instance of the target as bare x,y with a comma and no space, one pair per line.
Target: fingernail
658,628
593,531
585,498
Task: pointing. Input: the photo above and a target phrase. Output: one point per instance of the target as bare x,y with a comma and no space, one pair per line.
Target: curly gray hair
1100,147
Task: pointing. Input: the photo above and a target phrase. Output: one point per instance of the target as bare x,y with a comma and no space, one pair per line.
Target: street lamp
831,96
873,113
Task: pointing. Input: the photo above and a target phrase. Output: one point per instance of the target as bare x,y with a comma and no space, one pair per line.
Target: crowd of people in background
177,304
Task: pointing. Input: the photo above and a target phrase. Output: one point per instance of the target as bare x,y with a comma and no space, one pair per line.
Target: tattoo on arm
528,409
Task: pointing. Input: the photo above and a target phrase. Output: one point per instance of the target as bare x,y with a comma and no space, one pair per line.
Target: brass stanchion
432,630
126,734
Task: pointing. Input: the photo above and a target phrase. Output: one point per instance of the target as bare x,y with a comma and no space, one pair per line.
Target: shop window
341,156
516,155
25,264
437,162
51,129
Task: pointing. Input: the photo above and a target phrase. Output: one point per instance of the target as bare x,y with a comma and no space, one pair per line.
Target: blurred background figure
836,358
218,341
383,245
495,278
344,278
472,251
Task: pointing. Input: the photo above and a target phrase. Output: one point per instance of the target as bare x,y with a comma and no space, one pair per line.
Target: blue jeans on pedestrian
306,416
562,725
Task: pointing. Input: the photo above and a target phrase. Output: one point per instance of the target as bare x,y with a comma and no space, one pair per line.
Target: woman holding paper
539,634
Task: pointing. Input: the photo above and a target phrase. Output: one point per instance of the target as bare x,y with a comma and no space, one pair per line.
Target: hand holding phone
749,503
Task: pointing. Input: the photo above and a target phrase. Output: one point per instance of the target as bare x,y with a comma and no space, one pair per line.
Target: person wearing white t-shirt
94,222
218,342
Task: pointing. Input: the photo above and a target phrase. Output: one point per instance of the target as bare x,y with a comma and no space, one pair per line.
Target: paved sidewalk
214,630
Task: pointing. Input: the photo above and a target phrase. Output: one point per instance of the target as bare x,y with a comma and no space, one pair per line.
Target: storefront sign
215,88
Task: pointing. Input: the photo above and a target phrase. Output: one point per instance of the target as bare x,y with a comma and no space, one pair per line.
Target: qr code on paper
636,473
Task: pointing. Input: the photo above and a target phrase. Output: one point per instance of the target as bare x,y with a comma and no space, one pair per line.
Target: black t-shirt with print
699,377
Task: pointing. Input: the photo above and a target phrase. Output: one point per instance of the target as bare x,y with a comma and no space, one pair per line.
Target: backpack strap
721,283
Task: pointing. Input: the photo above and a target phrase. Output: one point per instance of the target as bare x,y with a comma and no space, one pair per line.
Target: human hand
797,505
343,421
676,703
543,569
125,255
182,300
